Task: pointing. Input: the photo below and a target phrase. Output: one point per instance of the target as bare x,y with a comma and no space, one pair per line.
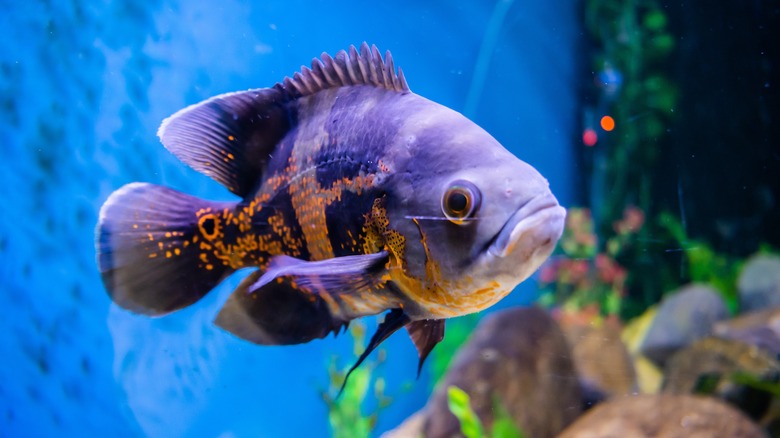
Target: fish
355,197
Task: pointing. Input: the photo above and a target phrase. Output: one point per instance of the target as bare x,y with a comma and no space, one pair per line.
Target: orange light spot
135,226
209,267
607,123
231,138
176,251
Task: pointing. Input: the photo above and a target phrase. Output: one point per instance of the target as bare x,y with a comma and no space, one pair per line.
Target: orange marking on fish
203,223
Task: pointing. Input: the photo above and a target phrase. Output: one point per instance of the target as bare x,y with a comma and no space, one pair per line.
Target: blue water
83,88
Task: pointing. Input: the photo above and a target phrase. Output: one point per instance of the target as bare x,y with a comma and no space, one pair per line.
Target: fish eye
460,201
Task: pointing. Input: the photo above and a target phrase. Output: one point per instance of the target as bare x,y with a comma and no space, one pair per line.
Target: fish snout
534,228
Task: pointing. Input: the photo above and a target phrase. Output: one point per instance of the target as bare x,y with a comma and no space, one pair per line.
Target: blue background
83,88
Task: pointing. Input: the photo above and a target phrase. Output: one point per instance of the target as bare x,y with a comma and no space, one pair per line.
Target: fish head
477,220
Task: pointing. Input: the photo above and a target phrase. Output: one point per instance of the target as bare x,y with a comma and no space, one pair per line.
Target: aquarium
403,219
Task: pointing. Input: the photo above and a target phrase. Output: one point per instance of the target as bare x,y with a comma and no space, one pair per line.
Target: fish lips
536,225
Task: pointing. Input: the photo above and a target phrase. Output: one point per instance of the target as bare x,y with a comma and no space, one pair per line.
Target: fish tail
152,248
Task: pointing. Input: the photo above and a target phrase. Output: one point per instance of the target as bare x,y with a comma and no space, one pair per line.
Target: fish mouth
536,225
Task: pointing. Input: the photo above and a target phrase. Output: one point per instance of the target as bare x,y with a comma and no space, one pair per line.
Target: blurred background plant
702,264
586,276
626,117
471,426
349,413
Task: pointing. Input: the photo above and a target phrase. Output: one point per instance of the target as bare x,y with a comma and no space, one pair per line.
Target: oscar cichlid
357,197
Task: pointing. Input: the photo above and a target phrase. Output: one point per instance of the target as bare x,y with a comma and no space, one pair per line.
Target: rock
663,416
604,366
761,329
713,366
648,374
759,283
410,428
681,318
520,359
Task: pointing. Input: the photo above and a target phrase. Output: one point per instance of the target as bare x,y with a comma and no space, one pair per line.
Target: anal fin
276,314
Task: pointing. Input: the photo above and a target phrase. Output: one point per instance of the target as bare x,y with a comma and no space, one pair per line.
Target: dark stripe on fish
346,221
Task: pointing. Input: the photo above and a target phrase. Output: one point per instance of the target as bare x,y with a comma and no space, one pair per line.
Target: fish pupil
458,202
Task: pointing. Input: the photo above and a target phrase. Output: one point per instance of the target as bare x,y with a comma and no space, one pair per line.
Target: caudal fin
148,249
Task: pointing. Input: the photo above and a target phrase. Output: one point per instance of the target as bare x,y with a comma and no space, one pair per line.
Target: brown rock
663,416
761,329
410,428
713,365
519,358
602,361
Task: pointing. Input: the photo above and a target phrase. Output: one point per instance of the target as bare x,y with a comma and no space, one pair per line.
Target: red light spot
589,137
607,123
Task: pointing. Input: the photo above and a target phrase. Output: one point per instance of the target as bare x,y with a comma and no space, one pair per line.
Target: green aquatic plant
347,415
632,43
703,264
471,426
631,48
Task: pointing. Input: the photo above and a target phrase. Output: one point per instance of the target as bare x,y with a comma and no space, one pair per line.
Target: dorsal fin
230,137
345,69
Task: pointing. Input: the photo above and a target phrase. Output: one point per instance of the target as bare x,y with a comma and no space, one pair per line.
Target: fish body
357,197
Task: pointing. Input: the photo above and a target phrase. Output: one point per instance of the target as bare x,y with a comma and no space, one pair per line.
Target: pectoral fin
425,334
296,301
337,276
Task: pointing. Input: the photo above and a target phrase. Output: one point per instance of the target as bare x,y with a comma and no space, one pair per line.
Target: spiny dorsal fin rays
345,69
231,137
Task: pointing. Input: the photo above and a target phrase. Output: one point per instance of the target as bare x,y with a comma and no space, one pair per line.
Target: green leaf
503,425
655,20
460,405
